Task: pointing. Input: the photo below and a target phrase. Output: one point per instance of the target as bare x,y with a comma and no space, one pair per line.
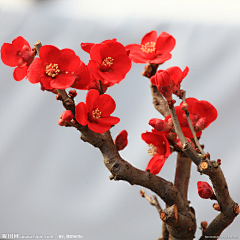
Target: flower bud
171,136
188,139
204,225
201,123
72,93
184,107
67,116
170,122
204,190
61,122
121,140
159,124
217,207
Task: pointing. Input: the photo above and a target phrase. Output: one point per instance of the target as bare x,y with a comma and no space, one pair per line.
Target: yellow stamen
149,47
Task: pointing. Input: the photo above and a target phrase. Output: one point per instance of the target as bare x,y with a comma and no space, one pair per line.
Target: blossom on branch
204,190
54,68
153,49
109,61
158,148
202,113
19,55
121,140
96,112
168,81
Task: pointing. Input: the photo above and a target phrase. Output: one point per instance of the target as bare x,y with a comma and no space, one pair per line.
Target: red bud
201,123
159,124
204,190
67,116
121,140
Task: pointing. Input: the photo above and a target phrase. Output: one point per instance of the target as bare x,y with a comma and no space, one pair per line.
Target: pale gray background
53,183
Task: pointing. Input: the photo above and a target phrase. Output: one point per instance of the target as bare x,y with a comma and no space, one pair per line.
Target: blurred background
52,183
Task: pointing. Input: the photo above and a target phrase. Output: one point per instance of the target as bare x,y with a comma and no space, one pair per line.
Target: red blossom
96,112
204,190
153,49
202,113
169,81
183,122
54,68
121,140
159,149
109,61
19,55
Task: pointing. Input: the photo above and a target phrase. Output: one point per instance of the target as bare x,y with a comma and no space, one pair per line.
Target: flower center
106,64
148,47
152,150
52,70
96,113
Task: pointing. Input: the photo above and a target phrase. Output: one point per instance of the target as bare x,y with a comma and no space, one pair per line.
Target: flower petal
19,42
99,52
156,163
62,81
50,54
106,105
149,37
71,60
81,113
109,120
35,71
91,97
98,127
165,43
8,55
20,73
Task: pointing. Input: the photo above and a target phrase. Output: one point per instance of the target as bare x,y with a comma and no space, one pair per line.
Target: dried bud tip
58,97
142,192
184,107
171,136
171,103
219,161
204,225
217,207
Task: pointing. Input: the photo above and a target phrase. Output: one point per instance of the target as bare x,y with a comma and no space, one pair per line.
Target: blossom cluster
109,63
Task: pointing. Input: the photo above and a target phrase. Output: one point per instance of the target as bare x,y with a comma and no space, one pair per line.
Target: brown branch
191,127
187,147
182,174
158,101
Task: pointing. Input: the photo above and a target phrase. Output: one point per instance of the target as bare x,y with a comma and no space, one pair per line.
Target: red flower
82,77
163,83
169,81
204,190
17,54
153,49
96,112
109,61
202,113
159,149
54,68
121,140
177,75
